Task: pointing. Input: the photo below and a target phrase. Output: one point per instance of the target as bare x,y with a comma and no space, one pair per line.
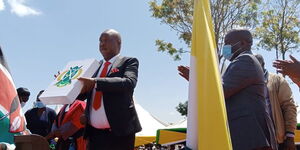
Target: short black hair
23,91
242,34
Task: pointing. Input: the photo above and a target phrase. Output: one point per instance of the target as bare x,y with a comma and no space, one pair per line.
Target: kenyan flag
10,108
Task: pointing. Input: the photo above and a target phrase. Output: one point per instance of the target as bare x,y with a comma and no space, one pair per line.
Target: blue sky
37,45
39,37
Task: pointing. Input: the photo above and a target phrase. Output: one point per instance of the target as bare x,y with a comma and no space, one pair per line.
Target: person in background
23,94
67,127
40,118
283,109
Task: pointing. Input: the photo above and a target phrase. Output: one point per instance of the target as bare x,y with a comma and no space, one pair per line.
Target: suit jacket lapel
95,74
115,64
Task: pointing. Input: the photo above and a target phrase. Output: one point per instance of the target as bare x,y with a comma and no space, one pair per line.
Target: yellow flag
207,119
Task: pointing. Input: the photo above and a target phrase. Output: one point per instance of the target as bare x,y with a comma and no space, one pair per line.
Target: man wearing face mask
23,94
250,125
40,118
244,90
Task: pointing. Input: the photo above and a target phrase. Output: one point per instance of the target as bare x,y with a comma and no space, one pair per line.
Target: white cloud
2,6
19,8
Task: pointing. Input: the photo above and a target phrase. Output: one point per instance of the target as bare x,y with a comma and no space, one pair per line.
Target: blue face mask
39,104
227,51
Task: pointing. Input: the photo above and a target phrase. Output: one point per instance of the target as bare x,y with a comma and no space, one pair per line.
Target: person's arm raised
290,68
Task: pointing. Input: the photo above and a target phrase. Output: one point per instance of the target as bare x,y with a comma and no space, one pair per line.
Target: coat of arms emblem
67,76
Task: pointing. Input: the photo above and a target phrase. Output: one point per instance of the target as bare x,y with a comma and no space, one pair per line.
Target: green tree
279,29
182,108
178,14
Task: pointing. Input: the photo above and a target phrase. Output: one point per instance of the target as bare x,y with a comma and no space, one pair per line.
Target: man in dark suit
110,117
243,84
250,126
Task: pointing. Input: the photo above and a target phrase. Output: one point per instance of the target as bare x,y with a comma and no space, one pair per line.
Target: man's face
109,46
23,98
234,42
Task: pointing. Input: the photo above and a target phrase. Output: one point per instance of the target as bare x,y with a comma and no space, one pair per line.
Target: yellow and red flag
207,119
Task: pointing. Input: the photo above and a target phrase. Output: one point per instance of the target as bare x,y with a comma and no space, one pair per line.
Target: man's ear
119,43
245,44
248,43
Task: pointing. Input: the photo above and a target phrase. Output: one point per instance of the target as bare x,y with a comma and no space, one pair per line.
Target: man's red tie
98,94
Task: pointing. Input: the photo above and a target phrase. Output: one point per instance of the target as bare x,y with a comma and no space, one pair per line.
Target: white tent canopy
180,124
149,123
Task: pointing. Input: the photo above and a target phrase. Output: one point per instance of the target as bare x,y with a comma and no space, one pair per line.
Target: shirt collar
112,60
247,52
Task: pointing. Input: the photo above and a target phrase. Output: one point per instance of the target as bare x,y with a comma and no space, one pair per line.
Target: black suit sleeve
52,115
125,83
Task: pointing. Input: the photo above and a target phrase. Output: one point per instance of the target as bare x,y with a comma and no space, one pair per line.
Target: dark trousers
107,140
281,146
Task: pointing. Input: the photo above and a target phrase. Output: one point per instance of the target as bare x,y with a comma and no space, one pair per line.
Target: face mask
23,104
39,104
227,51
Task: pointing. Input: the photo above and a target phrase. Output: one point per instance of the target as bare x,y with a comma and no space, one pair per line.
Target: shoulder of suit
247,55
50,109
244,57
126,58
30,110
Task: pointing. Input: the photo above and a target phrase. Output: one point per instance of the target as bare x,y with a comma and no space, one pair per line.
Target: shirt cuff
290,134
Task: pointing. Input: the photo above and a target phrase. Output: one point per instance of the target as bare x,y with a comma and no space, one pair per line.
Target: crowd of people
260,107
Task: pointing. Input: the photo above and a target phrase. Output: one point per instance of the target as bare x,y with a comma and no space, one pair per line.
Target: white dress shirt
98,117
